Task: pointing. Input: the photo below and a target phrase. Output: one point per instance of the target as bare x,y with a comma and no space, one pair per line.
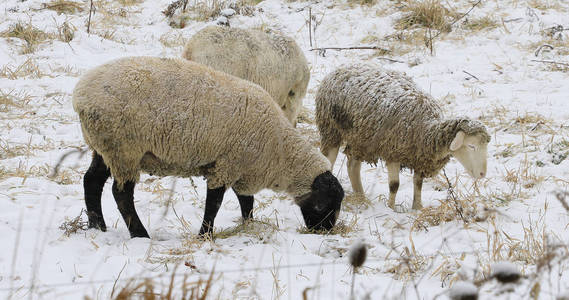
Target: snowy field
490,64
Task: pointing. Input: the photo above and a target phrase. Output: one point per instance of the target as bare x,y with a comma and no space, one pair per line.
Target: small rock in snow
505,272
463,290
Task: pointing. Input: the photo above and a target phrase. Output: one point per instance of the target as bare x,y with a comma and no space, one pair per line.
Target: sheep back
175,117
272,60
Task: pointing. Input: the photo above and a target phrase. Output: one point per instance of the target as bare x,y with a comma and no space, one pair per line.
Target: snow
522,102
228,12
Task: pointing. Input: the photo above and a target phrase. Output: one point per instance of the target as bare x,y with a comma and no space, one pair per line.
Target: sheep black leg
246,204
93,183
212,204
125,203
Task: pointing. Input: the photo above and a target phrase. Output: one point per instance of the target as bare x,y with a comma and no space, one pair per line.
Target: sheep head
471,150
321,206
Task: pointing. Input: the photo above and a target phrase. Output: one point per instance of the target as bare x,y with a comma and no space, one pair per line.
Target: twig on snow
471,75
551,62
451,195
391,60
538,50
89,21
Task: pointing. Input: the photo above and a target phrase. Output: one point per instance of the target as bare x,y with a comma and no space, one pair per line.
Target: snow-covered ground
489,74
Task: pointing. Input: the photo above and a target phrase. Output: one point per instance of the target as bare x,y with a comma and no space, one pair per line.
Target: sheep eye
291,93
472,147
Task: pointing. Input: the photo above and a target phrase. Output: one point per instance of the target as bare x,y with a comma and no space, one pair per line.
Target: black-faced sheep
382,114
273,61
176,117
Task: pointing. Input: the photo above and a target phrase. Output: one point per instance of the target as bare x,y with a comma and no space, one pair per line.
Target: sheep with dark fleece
382,114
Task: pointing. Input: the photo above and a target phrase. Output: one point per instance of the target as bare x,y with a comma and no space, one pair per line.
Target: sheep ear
458,140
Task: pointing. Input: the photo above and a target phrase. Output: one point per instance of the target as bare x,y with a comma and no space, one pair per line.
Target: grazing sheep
175,117
382,114
273,61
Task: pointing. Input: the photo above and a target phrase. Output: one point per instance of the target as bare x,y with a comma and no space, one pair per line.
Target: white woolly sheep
271,60
179,118
382,114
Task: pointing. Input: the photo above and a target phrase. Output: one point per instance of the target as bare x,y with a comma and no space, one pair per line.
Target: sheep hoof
97,222
140,233
205,236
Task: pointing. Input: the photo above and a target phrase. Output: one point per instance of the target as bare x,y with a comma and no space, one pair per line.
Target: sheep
273,61
173,117
382,114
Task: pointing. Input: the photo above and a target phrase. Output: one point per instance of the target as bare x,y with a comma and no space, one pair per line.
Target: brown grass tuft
479,24
362,2
29,68
28,33
149,289
546,4
356,202
260,229
12,99
64,6
472,211
428,14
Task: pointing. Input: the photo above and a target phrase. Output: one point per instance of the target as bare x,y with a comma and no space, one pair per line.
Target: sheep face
320,208
471,151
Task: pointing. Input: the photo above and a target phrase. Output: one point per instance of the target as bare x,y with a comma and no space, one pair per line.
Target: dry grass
446,211
206,10
29,68
129,2
64,6
179,21
400,43
72,226
479,24
31,35
362,2
149,289
525,175
408,265
537,247
546,4
356,202
261,229
65,32
64,177
426,14
13,99
342,228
